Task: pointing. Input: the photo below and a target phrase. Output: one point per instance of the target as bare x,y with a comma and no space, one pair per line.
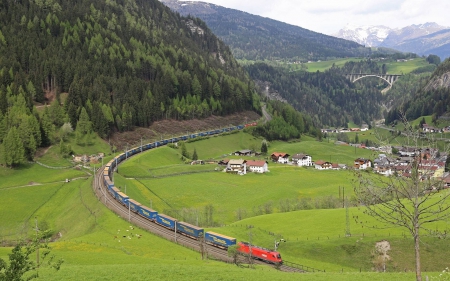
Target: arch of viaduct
389,78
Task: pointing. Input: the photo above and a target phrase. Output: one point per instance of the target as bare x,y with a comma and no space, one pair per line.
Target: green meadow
402,67
98,245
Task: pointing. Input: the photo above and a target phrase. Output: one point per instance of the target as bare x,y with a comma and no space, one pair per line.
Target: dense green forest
113,65
429,99
328,97
286,123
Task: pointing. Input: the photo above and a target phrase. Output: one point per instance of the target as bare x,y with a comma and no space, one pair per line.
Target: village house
238,166
362,164
322,165
244,152
302,160
223,162
407,151
280,157
257,166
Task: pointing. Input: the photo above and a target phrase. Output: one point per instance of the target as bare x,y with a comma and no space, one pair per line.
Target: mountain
114,65
422,39
256,38
370,36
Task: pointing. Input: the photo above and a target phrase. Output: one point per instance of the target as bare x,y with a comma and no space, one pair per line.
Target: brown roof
319,162
280,154
256,163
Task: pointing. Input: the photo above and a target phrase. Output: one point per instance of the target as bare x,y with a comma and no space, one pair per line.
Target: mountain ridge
422,39
255,38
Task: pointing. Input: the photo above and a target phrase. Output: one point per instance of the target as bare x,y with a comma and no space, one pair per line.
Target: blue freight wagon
109,184
193,136
219,240
184,137
166,221
190,230
122,198
113,190
157,143
134,205
148,213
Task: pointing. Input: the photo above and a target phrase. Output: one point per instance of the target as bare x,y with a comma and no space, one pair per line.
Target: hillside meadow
93,245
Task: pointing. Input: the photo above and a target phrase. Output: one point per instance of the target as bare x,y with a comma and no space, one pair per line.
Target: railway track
103,195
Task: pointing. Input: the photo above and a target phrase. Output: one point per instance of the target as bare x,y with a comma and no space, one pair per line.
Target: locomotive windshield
279,256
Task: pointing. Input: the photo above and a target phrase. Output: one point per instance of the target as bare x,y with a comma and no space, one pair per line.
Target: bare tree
412,198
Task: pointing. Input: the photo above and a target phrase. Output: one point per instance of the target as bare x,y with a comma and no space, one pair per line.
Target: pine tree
14,150
194,155
264,147
184,151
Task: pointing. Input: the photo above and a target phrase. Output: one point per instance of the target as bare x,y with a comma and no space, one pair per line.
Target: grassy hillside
401,67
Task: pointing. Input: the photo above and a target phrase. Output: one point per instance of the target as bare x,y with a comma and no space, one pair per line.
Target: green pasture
324,150
32,174
317,238
227,193
400,67
325,65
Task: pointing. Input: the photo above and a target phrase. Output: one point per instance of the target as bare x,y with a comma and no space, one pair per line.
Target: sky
329,16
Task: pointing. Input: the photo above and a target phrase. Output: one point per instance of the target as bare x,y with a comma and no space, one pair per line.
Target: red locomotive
260,253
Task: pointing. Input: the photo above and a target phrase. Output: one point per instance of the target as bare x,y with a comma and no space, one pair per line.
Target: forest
107,66
328,97
426,100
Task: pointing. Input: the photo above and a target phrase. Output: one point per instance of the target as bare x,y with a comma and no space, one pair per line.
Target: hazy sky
328,16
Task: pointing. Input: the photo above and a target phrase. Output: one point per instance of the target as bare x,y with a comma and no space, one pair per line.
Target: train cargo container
193,136
122,198
157,143
219,240
109,184
113,191
134,205
148,213
184,137
260,253
190,230
166,221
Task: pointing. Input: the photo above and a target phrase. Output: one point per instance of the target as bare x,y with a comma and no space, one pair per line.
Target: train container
109,184
240,127
219,240
113,191
148,213
184,137
218,131
134,205
122,198
106,172
166,221
156,144
190,230
193,136
260,253
203,134
165,141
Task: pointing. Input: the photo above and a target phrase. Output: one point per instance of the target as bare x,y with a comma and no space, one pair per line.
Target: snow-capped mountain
370,36
422,39
398,36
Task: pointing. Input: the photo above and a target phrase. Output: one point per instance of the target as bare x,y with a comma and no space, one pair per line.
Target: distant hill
255,38
433,99
422,39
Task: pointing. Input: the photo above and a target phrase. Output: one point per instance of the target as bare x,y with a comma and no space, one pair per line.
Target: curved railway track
111,203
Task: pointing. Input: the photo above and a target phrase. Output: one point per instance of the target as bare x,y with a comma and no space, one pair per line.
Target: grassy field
94,247
394,67
317,238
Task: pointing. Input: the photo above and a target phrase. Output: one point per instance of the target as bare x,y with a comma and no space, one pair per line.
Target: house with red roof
257,166
280,157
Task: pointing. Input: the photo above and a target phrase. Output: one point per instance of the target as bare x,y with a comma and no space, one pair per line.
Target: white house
257,166
362,163
322,165
238,166
280,157
302,160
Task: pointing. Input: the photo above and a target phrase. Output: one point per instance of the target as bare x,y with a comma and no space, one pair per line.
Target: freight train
191,231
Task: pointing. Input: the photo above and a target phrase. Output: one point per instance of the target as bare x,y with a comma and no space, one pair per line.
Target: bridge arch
373,75
389,78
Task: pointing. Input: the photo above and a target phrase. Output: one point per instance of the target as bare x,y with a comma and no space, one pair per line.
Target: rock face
442,81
